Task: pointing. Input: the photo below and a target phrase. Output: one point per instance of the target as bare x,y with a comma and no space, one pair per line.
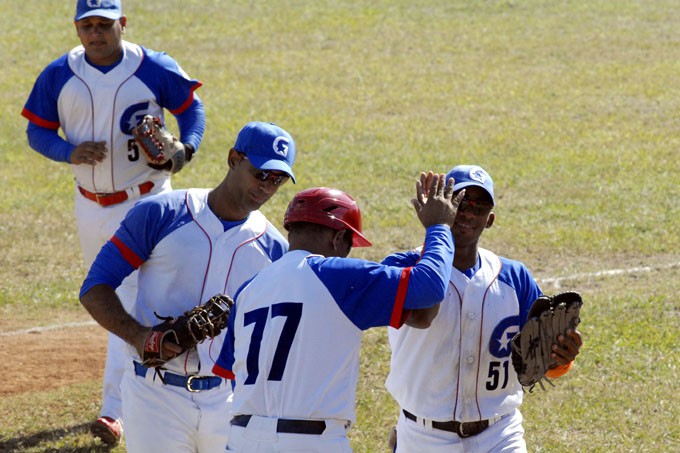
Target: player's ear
233,158
337,238
489,221
123,22
342,242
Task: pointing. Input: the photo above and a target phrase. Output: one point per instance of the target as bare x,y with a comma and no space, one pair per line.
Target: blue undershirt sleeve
191,123
49,143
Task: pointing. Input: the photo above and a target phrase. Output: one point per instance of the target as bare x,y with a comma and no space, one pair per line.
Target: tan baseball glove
549,317
162,149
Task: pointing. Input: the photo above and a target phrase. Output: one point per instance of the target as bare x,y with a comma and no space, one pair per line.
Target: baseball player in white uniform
96,93
188,245
454,381
295,330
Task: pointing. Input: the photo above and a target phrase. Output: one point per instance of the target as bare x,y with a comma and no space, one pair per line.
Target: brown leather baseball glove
162,149
549,317
187,330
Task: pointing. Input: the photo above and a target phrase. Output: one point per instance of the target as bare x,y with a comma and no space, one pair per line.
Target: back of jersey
296,354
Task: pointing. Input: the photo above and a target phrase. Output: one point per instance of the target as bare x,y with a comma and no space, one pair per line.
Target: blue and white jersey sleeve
69,93
144,226
516,275
173,88
402,259
41,108
367,293
362,289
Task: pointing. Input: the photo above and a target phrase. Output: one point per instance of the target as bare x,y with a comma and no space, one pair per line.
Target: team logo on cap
281,146
477,174
94,3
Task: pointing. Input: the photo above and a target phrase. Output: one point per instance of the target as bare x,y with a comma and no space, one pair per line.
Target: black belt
462,429
192,382
284,425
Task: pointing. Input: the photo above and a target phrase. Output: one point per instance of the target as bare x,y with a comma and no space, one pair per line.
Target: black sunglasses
268,175
477,207
275,178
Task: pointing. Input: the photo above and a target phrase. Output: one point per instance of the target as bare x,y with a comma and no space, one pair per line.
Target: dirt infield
57,358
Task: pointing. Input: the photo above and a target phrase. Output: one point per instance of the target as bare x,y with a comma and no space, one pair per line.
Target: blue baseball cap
109,9
267,146
471,175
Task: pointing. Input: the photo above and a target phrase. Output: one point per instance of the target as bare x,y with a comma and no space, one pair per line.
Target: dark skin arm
105,307
431,183
422,318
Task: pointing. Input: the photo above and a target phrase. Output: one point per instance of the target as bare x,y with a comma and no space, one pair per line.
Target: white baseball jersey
460,367
184,257
89,104
295,331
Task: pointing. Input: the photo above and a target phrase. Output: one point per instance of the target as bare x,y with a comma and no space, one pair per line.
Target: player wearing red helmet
330,207
294,336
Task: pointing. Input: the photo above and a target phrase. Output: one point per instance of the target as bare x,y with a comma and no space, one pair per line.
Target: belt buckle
190,379
100,196
461,431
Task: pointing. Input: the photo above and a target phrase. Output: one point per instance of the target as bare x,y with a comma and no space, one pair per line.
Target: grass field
571,106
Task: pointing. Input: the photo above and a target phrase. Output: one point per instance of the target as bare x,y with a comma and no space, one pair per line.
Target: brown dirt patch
40,361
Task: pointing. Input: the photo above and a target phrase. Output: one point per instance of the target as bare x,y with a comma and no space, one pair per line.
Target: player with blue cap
186,246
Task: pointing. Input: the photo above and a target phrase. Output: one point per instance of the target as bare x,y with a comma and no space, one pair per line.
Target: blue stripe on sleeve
43,100
366,291
517,276
144,226
109,268
273,243
166,79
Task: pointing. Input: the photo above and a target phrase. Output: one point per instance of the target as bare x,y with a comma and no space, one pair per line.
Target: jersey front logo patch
281,146
132,116
499,343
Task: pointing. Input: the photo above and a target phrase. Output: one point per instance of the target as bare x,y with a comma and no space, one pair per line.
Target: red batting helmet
330,207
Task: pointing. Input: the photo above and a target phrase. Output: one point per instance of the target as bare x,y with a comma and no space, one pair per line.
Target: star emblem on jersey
501,336
504,341
281,146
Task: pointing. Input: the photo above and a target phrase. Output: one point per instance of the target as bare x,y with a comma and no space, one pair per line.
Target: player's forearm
191,124
48,143
430,276
422,318
104,306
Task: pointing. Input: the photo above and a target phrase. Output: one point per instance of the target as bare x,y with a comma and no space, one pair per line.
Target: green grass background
571,106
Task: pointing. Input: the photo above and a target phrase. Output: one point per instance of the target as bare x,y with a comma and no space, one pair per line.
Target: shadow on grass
48,437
